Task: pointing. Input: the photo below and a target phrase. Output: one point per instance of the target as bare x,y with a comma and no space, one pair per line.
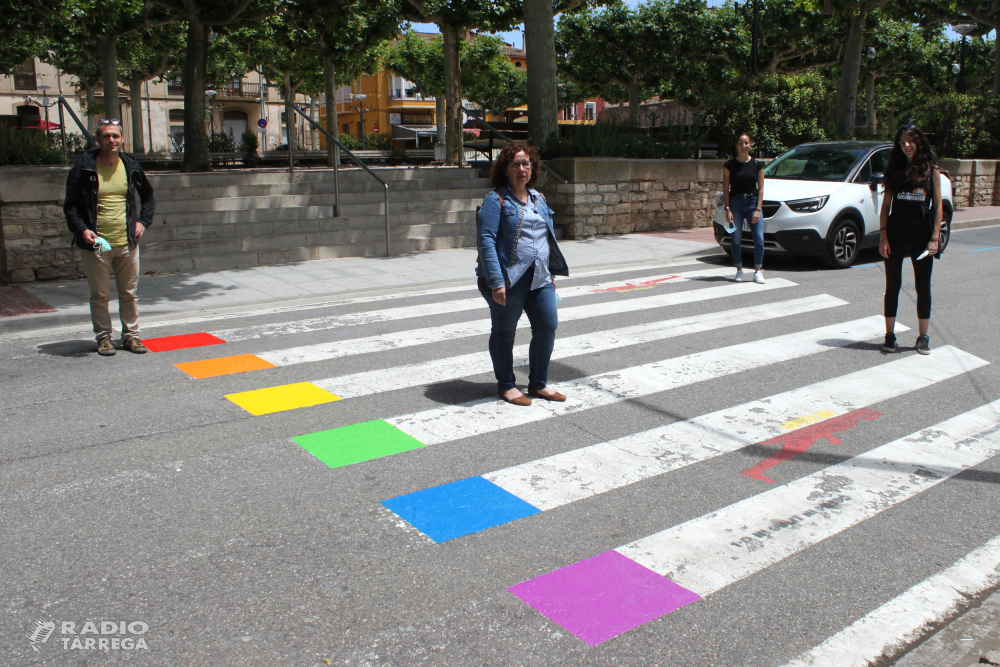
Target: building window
175,87
176,117
590,111
24,76
517,64
346,129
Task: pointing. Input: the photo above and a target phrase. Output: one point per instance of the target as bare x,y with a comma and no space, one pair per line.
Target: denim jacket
498,234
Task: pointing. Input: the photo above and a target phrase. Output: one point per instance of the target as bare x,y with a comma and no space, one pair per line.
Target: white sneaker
739,275
758,277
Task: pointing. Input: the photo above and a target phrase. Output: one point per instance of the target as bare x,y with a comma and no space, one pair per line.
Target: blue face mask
102,245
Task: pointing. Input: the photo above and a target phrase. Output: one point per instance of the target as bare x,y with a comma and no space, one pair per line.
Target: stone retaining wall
973,182
35,240
619,196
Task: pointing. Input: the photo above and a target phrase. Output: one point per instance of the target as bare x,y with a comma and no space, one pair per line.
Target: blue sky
515,37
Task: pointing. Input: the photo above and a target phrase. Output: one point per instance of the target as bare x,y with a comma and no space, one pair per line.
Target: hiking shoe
924,344
890,343
105,348
739,275
758,277
134,345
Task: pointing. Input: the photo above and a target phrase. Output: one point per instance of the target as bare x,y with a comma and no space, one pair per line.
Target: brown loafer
520,400
556,396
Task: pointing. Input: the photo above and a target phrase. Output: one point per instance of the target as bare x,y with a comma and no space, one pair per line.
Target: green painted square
356,443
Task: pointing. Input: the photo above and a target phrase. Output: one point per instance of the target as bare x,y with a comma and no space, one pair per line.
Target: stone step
195,231
164,195
290,201
278,177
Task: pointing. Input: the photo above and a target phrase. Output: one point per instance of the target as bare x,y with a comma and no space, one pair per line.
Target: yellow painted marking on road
799,422
284,397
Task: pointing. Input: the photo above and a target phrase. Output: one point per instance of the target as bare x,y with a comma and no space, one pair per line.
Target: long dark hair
899,170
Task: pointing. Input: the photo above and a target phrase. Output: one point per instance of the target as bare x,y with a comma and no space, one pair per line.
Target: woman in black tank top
910,225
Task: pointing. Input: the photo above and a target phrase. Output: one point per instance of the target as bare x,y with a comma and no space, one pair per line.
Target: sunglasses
109,121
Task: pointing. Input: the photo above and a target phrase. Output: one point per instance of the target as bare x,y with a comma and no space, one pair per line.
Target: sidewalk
183,295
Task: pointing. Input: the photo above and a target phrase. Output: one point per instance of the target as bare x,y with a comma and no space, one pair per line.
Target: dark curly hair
499,173
899,170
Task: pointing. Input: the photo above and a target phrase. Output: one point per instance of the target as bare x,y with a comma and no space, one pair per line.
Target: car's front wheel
842,245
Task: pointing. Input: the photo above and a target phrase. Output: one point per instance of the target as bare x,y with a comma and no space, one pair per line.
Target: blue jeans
540,306
742,209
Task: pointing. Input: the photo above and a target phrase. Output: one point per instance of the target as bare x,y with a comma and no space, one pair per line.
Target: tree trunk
543,96
453,96
109,76
195,136
870,104
439,114
90,108
135,97
332,122
633,100
996,64
847,95
290,116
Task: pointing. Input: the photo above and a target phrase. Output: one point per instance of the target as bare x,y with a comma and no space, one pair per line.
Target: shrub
248,142
616,136
782,111
23,147
961,126
177,141
222,142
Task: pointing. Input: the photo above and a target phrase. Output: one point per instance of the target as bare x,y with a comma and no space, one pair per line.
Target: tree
454,18
855,13
201,16
491,81
348,37
421,62
70,60
620,46
22,41
149,53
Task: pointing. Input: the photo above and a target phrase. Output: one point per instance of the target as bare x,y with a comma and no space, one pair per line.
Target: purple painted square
602,597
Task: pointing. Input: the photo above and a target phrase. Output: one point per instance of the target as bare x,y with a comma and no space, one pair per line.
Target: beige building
236,107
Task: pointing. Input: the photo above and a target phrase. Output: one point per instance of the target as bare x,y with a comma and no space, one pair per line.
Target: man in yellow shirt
100,210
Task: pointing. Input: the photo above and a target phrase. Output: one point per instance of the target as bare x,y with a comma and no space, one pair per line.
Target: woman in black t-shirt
910,224
743,194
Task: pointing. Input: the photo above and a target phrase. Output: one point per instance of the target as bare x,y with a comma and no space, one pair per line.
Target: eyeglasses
521,163
109,121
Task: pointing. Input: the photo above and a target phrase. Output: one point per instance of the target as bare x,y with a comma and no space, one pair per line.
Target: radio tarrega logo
90,635
39,632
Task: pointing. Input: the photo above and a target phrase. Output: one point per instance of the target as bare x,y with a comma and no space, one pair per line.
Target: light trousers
123,264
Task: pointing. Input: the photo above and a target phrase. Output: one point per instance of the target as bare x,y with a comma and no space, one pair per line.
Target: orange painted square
209,368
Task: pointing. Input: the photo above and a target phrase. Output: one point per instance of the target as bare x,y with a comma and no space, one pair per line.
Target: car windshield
816,162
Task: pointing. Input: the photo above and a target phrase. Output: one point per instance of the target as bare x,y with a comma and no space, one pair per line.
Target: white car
823,200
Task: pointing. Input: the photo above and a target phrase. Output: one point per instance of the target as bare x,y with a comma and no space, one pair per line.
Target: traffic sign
262,123
375,129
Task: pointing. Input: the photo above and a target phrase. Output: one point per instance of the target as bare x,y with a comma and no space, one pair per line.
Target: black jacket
80,206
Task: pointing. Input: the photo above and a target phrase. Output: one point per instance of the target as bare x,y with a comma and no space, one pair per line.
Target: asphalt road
134,492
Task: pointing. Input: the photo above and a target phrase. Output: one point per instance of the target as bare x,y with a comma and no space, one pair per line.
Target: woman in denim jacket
518,256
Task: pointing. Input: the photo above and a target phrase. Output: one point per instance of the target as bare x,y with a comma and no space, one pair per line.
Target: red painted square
181,342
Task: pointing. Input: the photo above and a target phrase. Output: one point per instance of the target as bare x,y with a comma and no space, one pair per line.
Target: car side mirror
877,179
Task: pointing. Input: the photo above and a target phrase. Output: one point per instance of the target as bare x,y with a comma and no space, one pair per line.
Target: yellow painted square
284,397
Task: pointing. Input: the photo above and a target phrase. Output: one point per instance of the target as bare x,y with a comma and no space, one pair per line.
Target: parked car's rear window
815,163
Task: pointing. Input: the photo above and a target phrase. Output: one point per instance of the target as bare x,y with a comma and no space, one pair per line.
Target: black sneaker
890,343
924,344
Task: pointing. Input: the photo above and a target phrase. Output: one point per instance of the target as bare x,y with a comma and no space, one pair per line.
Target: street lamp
754,13
361,109
963,29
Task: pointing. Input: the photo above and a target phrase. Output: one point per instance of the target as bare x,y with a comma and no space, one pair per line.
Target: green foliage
960,126
615,136
22,147
177,141
785,110
489,78
248,142
418,60
222,142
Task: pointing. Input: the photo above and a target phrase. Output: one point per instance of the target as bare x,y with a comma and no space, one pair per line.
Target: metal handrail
509,140
336,195
64,104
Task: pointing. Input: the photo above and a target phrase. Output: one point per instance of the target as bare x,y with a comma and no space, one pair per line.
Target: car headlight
810,205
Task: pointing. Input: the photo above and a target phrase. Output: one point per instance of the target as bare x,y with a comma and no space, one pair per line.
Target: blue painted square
459,508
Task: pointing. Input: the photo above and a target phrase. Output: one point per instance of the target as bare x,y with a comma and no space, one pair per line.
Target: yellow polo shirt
112,194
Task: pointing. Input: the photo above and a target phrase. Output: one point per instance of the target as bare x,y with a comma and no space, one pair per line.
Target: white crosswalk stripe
448,332
462,421
441,370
